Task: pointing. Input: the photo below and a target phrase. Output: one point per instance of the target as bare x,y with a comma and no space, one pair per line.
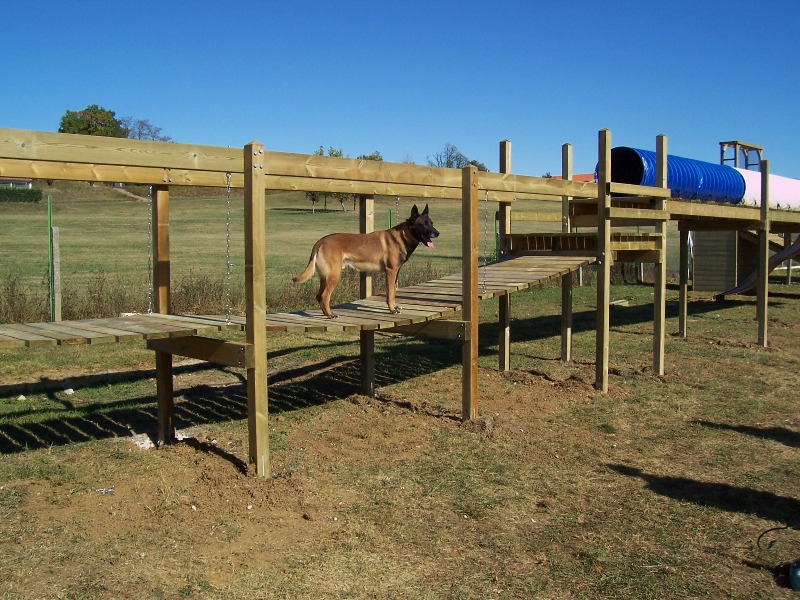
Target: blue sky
405,78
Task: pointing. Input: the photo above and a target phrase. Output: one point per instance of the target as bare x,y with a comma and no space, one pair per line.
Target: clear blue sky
405,78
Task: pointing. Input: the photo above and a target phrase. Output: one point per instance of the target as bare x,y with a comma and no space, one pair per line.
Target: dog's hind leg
327,283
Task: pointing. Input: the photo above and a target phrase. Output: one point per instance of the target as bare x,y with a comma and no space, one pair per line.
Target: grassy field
658,489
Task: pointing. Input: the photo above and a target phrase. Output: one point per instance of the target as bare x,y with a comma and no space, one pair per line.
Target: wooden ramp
437,299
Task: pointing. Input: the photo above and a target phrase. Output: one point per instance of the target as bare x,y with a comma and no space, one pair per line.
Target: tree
92,120
450,157
142,129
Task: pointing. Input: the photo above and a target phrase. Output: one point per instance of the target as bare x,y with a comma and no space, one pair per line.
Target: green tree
93,120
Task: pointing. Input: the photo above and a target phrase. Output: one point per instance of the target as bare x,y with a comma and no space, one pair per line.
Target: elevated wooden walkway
437,299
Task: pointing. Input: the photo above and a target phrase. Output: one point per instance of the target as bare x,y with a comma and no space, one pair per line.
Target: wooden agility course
444,308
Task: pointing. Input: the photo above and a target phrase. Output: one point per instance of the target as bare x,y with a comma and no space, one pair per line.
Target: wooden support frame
366,224
603,259
683,283
762,294
221,352
660,283
256,299
504,301
161,295
566,280
469,290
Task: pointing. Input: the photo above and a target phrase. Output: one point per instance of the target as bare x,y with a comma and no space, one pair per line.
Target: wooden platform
437,299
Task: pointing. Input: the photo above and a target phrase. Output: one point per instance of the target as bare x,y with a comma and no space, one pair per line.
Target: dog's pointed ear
414,212
425,212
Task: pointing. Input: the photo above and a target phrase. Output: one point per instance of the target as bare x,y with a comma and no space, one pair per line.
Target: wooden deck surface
440,298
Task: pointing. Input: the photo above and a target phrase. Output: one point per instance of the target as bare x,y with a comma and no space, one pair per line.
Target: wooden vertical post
566,280
683,283
504,301
660,283
469,290
787,241
161,305
603,259
255,270
762,298
366,224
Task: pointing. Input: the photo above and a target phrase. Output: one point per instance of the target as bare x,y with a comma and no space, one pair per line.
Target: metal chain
149,249
485,237
228,264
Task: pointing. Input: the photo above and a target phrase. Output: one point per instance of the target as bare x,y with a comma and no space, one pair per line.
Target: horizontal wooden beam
442,329
41,145
534,216
71,171
638,190
637,214
221,352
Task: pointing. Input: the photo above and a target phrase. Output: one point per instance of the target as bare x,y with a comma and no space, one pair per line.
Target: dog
380,251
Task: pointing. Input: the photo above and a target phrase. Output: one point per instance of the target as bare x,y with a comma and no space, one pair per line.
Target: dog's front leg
391,288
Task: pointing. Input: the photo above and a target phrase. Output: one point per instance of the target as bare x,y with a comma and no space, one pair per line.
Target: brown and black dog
384,251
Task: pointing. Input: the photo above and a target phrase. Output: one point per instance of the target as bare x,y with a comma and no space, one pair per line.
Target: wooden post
762,297
603,259
366,224
161,305
683,284
469,290
787,241
660,282
255,270
504,301
566,280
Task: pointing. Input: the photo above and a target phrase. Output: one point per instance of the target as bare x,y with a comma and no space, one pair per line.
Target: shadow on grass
778,434
290,390
764,505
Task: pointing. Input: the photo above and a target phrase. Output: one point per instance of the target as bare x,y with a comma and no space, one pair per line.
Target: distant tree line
96,120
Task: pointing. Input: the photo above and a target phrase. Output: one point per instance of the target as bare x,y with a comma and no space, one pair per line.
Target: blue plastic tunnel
688,179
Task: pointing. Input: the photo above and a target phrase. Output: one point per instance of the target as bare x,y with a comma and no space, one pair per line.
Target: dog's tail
312,264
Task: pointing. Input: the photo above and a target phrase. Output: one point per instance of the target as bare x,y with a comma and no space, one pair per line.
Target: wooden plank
117,334
10,342
221,352
172,328
30,337
438,329
69,333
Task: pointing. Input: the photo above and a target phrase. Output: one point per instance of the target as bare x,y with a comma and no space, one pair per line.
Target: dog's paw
332,316
395,310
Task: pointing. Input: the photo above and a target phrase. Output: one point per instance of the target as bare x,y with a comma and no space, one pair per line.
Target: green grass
658,489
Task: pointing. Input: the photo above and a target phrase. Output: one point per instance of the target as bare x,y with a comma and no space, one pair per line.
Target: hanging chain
228,264
485,237
149,249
